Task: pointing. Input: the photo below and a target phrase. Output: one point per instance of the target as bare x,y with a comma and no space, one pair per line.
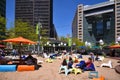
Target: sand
49,71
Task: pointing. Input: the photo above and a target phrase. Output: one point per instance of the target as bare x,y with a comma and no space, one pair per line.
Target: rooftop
103,4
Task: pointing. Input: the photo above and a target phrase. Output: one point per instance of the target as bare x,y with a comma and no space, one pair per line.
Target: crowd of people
71,61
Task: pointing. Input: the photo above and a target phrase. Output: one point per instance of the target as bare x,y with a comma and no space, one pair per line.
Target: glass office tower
100,21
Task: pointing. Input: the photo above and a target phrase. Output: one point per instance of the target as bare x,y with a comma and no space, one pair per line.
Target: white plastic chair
109,64
59,57
45,55
39,62
65,69
101,58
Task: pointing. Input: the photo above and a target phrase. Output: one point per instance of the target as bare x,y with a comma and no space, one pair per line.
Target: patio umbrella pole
20,53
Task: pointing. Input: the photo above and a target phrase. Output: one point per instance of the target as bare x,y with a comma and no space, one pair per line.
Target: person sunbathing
86,66
89,65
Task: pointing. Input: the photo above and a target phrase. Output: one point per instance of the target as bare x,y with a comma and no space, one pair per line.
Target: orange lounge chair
25,68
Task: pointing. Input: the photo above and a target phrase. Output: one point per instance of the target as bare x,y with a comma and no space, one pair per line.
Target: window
108,25
99,27
90,27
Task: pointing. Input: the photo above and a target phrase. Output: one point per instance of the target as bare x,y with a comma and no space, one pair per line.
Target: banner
37,29
69,41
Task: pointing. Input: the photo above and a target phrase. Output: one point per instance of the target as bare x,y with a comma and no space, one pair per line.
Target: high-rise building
99,21
2,15
35,11
2,8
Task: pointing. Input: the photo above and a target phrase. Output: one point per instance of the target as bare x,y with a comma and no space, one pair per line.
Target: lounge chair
45,55
49,60
109,64
59,57
66,70
76,71
101,58
39,61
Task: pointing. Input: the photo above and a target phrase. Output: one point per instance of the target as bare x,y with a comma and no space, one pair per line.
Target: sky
63,13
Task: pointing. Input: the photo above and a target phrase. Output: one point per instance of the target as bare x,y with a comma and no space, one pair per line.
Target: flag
69,42
37,29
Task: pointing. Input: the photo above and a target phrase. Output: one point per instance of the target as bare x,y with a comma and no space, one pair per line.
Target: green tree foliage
25,30
43,41
2,27
43,36
64,39
77,42
22,29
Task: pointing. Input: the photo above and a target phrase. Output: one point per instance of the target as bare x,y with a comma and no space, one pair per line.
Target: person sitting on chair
70,63
64,63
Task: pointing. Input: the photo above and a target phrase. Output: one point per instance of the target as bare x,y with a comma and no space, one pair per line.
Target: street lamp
39,25
48,43
89,44
118,39
64,44
58,44
54,47
101,43
61,43
116,42
86,43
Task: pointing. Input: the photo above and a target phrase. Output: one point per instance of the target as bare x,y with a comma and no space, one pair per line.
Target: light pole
89,44
101,43
54,47
39,25
86,43
118,39
74,44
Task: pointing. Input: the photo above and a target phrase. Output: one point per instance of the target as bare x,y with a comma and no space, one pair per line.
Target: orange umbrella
115,46
20,40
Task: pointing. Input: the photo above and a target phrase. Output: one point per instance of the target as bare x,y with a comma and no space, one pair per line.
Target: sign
37,29
69,41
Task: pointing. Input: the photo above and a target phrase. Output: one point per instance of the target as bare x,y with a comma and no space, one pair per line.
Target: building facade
2,15
35,11
95,22
3,8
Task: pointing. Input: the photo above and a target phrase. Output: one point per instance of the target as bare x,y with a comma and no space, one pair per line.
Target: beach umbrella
115,46
20,40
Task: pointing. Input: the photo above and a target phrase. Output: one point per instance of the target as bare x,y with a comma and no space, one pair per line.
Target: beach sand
49,71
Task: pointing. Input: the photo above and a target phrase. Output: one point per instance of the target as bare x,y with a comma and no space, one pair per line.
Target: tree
77,42
64,39
2,27
23,29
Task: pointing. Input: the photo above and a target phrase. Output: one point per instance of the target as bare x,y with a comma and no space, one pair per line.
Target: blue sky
63,13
